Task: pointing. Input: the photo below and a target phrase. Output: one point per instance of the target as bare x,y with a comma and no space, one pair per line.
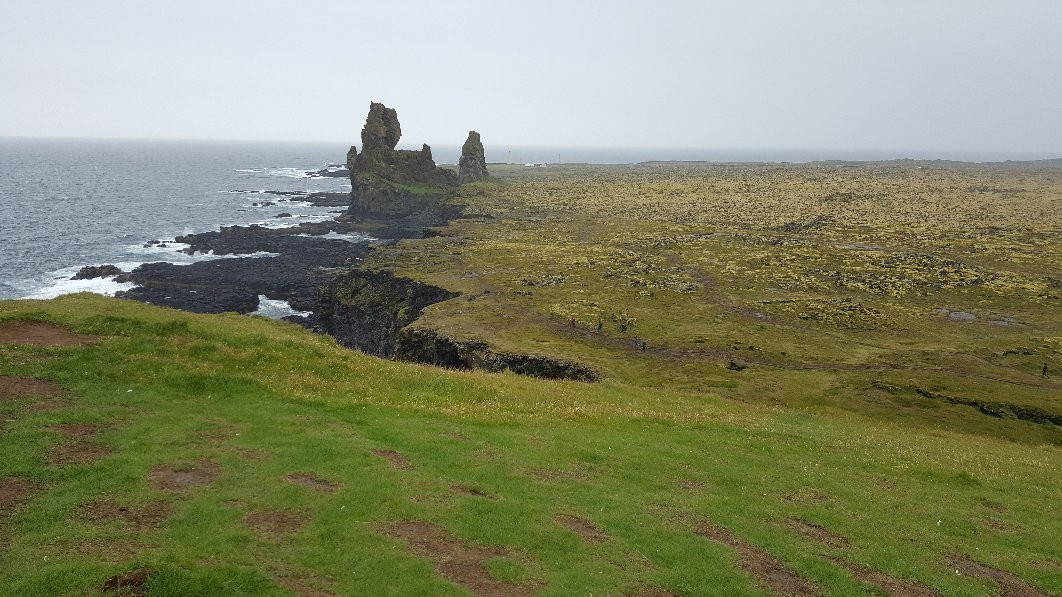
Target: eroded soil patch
79,430
77,451
297,587
150,515
397,460
769,572
270,524
13,388
134,582
1009,584
41,334
459,563
588,530
201,473
472,491
313,482
816,533
14,493
552,474
891,584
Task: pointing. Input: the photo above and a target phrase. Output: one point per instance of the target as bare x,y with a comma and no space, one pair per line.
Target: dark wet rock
1000,410
300,266
97,271
372,312
367,310
429,347
473,164
332,172
736,364
282,215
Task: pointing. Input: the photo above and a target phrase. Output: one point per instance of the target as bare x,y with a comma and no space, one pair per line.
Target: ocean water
65,204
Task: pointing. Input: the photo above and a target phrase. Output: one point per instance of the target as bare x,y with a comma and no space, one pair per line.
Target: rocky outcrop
97,271
473,164
372,312
429,347
388,182
367,310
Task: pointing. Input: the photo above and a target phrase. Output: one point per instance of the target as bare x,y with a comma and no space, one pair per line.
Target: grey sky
859,74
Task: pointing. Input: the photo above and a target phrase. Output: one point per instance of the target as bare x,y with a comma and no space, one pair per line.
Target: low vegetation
833,398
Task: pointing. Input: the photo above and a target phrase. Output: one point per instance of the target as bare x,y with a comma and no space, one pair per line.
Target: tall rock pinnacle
473,165
382,130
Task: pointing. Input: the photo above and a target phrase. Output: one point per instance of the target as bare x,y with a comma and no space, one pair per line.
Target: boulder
98,271
473,165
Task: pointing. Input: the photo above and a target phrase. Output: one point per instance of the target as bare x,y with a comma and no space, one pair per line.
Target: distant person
644,345
571,322
1043,372
600,325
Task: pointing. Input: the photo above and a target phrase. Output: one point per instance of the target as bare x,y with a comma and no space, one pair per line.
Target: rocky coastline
317,268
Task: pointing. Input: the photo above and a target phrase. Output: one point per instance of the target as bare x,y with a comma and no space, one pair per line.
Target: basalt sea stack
473,164
389,182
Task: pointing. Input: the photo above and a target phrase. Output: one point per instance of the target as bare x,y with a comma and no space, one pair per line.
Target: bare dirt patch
816,533
1001,526
37,333
79,430
690,485
77,451
314,482
891,584
13,388
1009,584
472,491
150,515
271,524
769,572
49,405
14,493
807,497
299,587
459,563
588,530
651,592
552,474
397,460
134,582
198,474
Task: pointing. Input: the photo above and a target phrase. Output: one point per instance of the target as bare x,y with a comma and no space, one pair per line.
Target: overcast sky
856,74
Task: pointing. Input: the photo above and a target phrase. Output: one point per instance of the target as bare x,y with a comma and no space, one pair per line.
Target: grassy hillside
183,454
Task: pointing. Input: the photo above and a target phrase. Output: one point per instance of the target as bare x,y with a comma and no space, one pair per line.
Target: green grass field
252,457
807,418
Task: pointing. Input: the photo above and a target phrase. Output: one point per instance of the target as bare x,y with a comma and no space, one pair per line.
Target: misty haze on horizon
871,80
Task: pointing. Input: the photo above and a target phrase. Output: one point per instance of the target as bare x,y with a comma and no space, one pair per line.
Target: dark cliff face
367,310
473,164
372,312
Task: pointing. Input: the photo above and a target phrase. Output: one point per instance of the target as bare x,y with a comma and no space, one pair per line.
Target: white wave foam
281,172
62,284
274,309
353,237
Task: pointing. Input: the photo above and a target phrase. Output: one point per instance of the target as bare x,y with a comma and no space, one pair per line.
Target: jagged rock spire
473,165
